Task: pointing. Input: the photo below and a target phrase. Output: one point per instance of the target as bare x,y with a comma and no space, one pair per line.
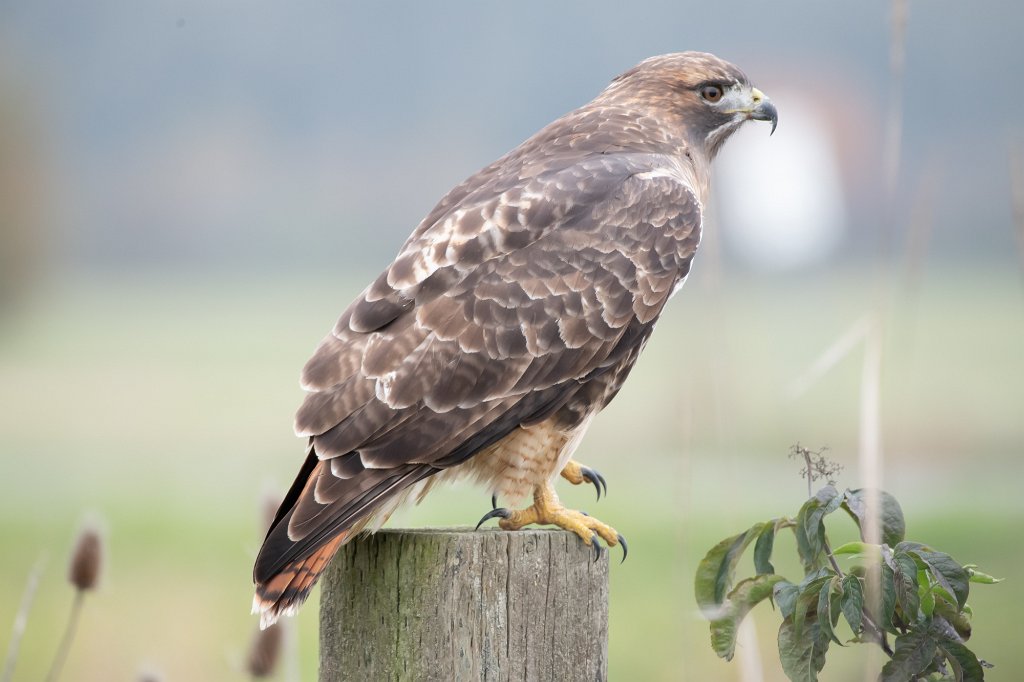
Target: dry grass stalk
748,652
894,118
21,620
269,505
870,459
922,220
870,431
1017,197
288,639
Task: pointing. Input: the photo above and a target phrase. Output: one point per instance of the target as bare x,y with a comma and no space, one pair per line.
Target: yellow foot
547,510
576,473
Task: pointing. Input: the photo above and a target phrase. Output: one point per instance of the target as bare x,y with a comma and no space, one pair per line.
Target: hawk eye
711,93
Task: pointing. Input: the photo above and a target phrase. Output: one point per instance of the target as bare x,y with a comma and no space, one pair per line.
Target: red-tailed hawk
511,316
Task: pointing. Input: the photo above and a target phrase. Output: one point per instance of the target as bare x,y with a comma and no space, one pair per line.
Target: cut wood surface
457,604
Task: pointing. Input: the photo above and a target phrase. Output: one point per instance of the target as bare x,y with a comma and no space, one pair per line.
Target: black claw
596,478
595,540
494,501
502,512
625,548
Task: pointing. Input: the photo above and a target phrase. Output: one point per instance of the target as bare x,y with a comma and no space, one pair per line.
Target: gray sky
308,134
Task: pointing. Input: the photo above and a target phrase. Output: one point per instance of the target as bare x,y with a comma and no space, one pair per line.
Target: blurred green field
164,405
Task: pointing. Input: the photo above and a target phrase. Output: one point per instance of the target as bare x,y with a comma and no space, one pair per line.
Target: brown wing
494,316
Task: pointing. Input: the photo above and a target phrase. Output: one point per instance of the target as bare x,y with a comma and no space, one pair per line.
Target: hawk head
703,97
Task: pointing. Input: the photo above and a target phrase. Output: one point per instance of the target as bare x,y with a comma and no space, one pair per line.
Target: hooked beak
763,109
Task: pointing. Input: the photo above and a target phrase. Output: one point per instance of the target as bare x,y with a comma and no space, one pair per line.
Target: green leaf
943,596
747,594
947,573
810,526
959,620
802,654
979,577
912,655
925,593
763,551
785,594
828,608
966,666
809,551
855,548
894,527
716,570
815,577
853,602
905,581
888,585
810,589
824,502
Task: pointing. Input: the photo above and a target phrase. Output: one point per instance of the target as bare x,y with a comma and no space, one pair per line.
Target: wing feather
494,315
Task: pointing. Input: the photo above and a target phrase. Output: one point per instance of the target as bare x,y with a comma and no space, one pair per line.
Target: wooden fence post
454,604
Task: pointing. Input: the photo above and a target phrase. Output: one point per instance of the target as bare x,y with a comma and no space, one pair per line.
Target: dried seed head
87,559
265,651
816,465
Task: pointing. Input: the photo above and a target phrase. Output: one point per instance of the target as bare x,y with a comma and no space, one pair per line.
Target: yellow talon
576,473
547,510
573,472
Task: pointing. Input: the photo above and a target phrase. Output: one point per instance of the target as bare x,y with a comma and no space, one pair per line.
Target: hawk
511,316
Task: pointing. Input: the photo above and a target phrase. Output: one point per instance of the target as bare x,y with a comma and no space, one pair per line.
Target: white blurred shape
779,199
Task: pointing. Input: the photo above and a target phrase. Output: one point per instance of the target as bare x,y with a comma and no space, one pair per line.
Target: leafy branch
917,594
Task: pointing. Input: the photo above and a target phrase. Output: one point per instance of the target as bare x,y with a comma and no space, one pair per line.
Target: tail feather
314,521
285,592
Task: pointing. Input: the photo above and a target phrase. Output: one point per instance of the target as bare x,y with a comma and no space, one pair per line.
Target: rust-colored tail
321,512
284,593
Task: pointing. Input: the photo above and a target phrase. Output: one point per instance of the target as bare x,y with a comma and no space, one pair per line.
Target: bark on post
454,604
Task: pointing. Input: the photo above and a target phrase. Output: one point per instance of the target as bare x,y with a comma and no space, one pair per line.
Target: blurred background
192,192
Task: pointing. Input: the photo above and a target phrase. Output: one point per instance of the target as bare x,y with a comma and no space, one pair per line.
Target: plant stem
807,467
876,631
21,620
69,635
